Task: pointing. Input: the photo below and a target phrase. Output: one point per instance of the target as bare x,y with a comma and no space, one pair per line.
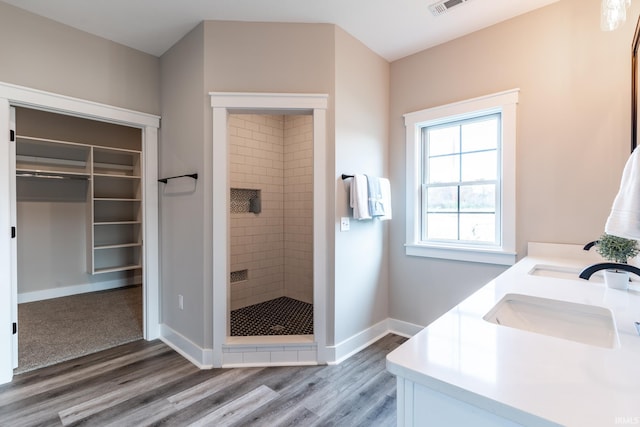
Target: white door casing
14,240
276,103
13,95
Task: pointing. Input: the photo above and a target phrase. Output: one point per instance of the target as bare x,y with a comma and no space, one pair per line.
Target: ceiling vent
442,7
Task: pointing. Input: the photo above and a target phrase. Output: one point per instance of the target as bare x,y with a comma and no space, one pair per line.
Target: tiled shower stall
271,226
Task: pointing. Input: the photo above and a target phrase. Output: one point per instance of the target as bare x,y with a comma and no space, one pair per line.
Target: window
461,180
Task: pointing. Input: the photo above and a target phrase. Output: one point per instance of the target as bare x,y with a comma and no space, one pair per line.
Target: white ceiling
392,28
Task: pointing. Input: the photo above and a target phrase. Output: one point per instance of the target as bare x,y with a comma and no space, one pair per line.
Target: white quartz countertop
532,378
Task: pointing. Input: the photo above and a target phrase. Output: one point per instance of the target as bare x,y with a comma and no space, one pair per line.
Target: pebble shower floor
280,316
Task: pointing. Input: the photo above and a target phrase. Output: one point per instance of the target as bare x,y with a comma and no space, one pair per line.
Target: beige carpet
55,330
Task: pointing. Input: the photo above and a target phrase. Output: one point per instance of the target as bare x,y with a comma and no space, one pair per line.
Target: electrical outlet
180,302
344,223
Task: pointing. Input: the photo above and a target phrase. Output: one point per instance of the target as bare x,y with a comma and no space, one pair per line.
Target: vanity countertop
529,377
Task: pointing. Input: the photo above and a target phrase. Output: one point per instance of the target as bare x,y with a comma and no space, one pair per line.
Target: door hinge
12,135
13,232
15,328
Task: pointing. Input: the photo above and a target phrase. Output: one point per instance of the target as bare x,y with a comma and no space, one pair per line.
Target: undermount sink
555,271
582,323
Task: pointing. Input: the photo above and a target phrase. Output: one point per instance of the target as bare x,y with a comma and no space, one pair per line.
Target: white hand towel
376,208
624,219
385,190
359,199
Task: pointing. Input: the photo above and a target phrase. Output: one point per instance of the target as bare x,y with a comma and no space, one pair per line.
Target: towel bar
189,175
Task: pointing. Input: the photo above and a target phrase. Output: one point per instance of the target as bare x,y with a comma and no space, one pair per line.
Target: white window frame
503,254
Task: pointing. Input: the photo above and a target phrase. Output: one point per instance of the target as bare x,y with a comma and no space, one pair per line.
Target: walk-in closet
79,222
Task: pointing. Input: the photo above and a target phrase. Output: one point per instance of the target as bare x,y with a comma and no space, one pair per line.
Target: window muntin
460,181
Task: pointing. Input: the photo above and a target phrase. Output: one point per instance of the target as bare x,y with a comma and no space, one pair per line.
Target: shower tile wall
275,246
256,158
298,208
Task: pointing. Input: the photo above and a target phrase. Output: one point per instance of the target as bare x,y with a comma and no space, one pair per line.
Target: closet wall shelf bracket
188,175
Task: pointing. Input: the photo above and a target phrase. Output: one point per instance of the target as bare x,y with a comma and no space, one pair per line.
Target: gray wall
268,57
573,134
361,254
40,53
182,209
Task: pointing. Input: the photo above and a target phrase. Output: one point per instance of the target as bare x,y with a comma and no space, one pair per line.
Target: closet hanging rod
346,176
189,175
50,176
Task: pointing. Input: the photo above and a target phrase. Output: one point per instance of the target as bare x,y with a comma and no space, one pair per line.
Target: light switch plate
344,223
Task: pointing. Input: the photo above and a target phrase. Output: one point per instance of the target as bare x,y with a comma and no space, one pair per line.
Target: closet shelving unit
114,199
117,210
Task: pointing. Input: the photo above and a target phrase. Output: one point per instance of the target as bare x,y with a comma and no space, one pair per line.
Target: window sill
461,253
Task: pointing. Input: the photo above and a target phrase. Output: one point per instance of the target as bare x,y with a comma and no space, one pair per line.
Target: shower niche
271,224
245,200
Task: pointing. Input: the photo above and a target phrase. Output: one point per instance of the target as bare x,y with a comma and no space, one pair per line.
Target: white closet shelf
117,222
118,268
39,173
112,166
54,161
116,176
120,245
48,140
115,199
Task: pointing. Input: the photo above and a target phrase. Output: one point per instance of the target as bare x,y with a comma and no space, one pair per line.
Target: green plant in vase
619,250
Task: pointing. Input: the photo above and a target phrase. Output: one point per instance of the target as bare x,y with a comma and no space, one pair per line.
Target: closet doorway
82,209
79,236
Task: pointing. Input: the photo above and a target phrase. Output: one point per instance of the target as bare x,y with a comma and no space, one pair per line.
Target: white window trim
505,102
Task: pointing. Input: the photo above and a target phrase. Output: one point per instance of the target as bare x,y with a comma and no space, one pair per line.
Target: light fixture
613,13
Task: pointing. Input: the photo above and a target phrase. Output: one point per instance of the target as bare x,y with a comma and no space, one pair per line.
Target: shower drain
277,328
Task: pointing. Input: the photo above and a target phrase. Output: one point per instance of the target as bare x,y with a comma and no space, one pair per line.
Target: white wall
573,134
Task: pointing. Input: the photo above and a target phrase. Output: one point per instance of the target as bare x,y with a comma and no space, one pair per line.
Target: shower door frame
223,104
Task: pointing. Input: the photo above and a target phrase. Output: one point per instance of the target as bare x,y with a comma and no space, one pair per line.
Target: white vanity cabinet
465,370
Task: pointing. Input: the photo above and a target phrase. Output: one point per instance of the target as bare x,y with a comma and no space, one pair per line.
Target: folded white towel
376,208
385,191
359,199
624,219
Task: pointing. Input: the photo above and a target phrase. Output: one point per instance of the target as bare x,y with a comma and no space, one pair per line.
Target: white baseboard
347,348
201,357
76,289
402,328
338,353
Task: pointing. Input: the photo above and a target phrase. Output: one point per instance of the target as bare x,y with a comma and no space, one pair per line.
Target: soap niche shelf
239,276
245,200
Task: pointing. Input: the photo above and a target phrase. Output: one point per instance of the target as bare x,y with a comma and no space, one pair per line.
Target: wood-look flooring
147,383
